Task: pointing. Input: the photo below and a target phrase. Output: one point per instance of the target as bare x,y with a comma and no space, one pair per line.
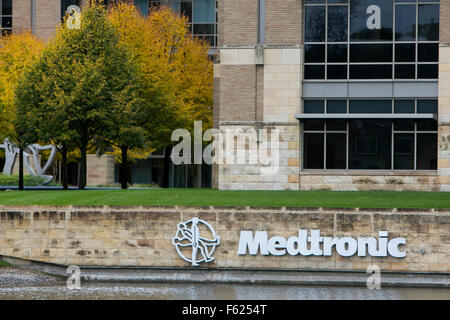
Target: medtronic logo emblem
189,234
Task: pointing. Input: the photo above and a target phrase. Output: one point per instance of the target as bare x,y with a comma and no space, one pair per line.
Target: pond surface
165,291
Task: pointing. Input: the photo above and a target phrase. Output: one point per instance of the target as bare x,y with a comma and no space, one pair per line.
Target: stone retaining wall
142,236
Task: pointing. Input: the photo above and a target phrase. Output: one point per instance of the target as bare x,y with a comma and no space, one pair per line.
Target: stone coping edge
238,275
221,208
250,276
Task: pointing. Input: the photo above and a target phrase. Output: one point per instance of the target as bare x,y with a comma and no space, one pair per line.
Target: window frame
324,131
5,31
212,36
393,42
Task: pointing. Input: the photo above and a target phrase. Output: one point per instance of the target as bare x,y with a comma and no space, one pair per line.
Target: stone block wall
444,115
100,170
282,84
367,181
233,175
142,236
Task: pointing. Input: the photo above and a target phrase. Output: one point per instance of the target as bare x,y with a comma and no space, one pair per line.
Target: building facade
358,90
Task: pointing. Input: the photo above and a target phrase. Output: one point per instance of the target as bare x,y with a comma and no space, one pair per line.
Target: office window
371,39
202,16
370,144
6,16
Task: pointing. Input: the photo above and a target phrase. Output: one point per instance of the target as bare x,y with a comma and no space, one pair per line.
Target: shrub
13,180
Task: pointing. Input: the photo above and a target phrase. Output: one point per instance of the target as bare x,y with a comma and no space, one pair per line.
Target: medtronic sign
311,245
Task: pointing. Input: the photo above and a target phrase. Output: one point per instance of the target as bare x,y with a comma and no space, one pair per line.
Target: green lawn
209,197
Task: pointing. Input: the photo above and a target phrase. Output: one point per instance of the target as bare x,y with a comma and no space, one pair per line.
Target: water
165,291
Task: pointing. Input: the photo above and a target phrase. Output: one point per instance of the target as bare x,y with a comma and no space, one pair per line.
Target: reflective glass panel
404,151
336,150
315,23
428,22
337,23
370,144
313,150
405,22
426,151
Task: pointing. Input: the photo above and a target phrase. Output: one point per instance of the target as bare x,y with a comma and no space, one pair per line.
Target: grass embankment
209,197
4,264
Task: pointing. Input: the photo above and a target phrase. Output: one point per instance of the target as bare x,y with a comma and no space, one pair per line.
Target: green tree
78,93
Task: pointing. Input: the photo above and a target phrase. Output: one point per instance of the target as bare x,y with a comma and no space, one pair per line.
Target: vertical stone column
444,117
100,170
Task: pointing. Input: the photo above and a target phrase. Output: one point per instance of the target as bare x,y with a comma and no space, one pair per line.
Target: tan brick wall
21,15
284,22
239,22
48,15
444,25
142,236
237,92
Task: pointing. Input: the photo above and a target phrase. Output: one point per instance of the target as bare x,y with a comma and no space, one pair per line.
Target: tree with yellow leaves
17,53
175,66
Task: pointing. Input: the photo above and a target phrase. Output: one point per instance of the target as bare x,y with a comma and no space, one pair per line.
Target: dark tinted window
6,7
313,125
337,53
403,151
405,52
427,125
315,23
428,22
405,71
359,20
314,53
337,23
426,151
428,52
404,106
371,71
404,125
405,22
370,106
336,71
314,72
313,151
313,106
336,106
427,106
336,151
337,125
427,71
370,52
370,144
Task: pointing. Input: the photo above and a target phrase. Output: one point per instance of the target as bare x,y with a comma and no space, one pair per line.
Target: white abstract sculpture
11,152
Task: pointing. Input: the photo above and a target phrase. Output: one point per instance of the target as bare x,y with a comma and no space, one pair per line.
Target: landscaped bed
210,197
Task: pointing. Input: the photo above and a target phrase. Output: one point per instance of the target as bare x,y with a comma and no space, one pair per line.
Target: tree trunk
82,178
124,168
167,163
64,169
21,169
